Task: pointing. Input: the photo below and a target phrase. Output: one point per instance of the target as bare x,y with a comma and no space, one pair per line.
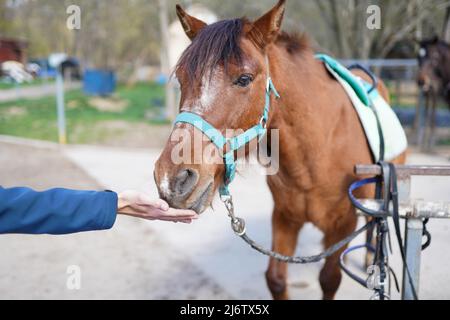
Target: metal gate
413,211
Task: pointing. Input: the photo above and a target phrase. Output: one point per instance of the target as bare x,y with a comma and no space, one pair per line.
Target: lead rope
238,226
396,219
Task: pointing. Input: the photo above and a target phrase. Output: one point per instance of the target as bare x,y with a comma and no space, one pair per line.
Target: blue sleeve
56,211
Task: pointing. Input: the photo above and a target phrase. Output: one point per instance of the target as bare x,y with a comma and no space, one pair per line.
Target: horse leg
330,276
284,240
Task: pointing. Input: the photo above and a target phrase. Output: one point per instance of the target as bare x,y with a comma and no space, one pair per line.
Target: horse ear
190,24
269,24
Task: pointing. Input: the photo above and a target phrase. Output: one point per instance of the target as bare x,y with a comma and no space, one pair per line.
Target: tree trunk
165,63
446,27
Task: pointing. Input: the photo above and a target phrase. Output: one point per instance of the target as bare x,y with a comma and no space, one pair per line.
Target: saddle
376,116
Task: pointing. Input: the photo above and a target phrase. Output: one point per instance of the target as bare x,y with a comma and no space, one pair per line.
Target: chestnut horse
433,79
223,77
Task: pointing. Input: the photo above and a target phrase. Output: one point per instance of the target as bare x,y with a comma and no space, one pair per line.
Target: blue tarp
99,82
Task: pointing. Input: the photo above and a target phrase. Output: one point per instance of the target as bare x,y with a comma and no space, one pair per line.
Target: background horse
223,77
433,80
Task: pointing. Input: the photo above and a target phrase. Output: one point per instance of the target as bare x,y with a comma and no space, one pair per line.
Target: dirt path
127,262
40,168
33,92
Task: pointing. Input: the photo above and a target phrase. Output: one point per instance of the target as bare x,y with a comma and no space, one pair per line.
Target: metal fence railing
414,211
398,74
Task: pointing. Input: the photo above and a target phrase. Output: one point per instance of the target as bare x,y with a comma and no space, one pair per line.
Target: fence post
171,110
60,106
413,248
413,210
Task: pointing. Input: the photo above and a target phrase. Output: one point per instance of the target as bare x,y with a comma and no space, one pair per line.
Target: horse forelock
220,44
216,44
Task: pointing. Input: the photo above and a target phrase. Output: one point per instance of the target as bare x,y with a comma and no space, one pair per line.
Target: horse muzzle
184,189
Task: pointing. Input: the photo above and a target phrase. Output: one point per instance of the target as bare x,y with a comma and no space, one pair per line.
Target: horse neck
310,107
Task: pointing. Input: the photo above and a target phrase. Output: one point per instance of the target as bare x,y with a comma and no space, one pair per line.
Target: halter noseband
234,143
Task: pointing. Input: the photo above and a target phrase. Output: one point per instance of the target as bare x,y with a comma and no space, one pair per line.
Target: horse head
223,76
434,55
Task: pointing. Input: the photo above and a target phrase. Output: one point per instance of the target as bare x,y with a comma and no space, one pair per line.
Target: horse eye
243,80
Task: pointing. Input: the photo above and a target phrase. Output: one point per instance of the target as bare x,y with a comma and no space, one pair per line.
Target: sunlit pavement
148,259
211,245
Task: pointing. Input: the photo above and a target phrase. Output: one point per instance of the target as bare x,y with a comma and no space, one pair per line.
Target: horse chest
307,204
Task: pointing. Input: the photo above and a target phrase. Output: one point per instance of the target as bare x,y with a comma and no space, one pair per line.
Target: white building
178,39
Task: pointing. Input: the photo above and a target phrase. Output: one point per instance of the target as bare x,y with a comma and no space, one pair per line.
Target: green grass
35,82
37,118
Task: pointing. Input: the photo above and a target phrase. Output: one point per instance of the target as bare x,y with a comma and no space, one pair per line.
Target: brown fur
294,42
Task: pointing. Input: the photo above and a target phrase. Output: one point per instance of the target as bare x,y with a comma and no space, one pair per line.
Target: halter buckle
238,226
263,122
228,202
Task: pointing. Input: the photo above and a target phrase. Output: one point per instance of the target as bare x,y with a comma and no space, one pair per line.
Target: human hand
140,205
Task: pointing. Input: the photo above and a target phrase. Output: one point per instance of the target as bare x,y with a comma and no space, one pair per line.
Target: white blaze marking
208,93
164,185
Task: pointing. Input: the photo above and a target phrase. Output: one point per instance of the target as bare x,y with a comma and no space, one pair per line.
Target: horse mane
294,42
218,43
434,41
444,44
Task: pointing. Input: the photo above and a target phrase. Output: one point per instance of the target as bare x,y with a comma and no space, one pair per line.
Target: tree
400,19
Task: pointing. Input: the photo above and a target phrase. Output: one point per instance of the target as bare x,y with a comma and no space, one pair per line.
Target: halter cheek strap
236,142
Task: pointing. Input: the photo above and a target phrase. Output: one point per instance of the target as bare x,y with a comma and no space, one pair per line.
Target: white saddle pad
395,141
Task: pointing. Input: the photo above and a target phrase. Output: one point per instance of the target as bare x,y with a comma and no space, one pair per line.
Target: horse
433,79
223,75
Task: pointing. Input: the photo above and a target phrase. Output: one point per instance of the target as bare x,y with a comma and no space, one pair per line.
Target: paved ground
140,259
33,92
130,261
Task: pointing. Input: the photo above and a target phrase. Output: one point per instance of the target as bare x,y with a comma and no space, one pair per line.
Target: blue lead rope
358,184
235,143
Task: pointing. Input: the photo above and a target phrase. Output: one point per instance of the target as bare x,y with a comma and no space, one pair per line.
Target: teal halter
234,143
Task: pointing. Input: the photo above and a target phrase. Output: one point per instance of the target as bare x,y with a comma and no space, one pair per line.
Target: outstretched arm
55,211
62,211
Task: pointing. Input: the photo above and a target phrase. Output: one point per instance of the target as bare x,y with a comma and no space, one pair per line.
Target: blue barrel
99,82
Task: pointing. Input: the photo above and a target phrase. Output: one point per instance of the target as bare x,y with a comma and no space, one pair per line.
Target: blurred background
130,47
91,108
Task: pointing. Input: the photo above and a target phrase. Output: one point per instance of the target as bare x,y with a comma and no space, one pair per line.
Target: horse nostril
185,182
